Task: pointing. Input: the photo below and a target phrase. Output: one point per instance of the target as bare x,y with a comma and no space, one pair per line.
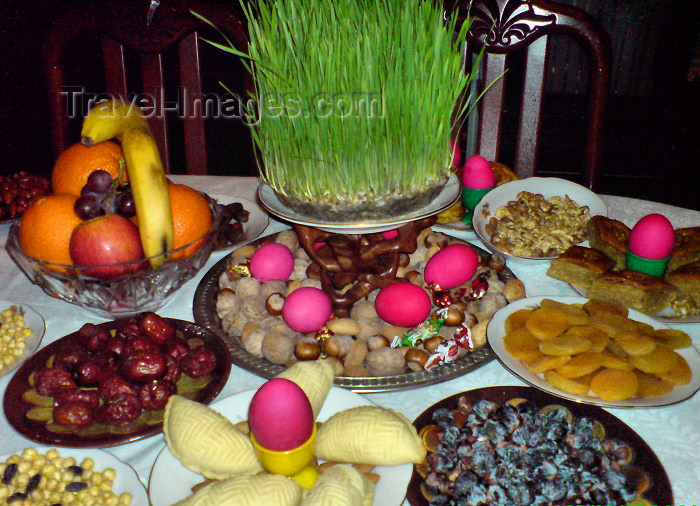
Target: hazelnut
307,349
404,259
411,275
274,304
376,342
337,346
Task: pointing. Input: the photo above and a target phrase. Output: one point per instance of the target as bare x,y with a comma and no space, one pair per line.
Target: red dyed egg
280,415
403,304
452,266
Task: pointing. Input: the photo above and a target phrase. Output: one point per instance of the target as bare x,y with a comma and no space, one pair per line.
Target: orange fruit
191,218
74,165
46,227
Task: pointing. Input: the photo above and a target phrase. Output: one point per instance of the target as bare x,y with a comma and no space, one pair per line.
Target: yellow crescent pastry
341,485
315,378
247,490
369,435
206,442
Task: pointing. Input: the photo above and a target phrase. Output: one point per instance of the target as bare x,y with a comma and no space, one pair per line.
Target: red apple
107,242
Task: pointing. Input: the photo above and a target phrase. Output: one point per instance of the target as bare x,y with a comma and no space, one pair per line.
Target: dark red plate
645,460
16,408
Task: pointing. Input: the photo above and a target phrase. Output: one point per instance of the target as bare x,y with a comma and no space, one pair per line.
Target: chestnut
307,348
416,358
455,316
431,343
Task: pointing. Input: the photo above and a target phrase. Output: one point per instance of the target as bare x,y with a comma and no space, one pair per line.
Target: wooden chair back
146,48
507,27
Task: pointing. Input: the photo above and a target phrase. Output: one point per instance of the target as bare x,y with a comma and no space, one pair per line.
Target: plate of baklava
598,269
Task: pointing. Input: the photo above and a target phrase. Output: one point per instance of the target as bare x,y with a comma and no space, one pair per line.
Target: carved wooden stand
350,266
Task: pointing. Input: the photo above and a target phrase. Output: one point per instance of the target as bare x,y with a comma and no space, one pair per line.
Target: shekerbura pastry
206,442
341,485
315,378
369,435
246,490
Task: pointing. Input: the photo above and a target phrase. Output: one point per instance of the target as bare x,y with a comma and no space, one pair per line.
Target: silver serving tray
204,308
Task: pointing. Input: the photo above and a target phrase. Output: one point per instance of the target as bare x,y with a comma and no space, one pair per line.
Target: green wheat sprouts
355,99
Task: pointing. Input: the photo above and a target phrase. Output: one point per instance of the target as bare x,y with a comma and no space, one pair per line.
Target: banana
149,187
110,119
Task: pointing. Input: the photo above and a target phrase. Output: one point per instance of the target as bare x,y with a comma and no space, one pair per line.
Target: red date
73,414
155,395
119,410
113,386
155,326
51,380
198,362
89,397
143,367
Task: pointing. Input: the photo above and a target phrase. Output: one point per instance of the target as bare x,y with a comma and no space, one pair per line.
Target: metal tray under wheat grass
204,308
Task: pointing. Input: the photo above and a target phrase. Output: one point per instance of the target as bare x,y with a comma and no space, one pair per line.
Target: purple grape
100,181
88,207
125,204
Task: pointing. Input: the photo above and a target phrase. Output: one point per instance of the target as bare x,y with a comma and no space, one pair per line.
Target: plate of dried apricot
520,445
595,352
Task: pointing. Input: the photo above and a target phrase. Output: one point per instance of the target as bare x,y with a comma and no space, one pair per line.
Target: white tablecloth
673,432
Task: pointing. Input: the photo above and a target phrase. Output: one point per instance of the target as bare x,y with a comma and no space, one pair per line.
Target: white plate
546,186
126,479
256,224
666,315
448,196
496,331
170,481
35,322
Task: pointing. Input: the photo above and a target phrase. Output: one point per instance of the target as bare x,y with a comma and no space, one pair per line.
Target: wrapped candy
448,351
425,330
238,270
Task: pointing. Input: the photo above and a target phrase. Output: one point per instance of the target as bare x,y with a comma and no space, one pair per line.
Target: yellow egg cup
295,463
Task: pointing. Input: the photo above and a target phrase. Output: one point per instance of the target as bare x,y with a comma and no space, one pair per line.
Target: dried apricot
516,319
581,364
614,384
564,345
545,323
522,345
680,374
547,362
652,386
635,343
673,338
567,385
659,361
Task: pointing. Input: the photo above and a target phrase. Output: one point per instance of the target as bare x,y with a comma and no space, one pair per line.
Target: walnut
227,301
247,287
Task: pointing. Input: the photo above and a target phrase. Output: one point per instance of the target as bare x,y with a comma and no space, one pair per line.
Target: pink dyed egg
307,309
272,261
652,237
403,304
280,415
452,266
477,173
